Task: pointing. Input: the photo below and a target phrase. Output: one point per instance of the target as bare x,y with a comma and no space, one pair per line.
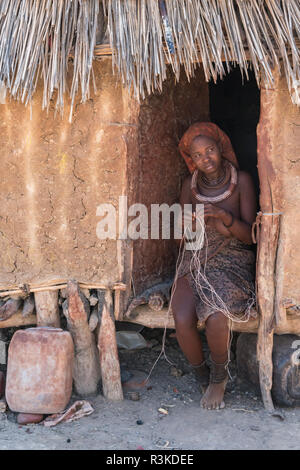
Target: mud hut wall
54,175
163,118
286,146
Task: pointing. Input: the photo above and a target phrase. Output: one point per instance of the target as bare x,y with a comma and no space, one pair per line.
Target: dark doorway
235,108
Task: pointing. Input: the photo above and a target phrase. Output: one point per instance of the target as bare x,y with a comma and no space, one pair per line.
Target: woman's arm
240,228
185,198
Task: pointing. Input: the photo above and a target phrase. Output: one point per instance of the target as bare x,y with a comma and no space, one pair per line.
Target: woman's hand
210,210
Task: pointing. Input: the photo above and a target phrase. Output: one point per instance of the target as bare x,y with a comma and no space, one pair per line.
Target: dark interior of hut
234,104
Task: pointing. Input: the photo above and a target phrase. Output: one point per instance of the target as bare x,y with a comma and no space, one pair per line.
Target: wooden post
86,372
267,240
107,345
46,305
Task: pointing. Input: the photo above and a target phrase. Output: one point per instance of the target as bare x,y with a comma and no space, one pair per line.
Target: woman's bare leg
217,334
183,307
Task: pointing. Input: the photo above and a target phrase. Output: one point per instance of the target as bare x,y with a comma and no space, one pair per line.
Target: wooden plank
143,315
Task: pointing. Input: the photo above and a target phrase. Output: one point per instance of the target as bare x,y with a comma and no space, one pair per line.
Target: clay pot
39,370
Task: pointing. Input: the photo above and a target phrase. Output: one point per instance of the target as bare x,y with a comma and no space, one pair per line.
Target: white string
216,302
162,351
197,272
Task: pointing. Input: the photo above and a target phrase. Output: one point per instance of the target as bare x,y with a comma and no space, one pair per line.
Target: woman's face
206,155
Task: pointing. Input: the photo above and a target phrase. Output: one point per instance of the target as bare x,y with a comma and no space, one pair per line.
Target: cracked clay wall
54,175
286,149
163,119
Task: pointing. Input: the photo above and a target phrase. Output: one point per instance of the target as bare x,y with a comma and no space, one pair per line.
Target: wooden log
28,306
108,351
18,320
9,308
267,239
46,305
86,372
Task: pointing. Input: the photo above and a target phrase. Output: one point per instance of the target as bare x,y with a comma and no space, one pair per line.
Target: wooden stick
107,345
17,291
86,366
46,305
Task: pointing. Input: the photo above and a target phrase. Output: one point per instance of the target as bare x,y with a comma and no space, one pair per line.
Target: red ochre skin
206,156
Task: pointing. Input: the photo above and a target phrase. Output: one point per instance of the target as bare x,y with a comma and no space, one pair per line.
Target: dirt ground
131,425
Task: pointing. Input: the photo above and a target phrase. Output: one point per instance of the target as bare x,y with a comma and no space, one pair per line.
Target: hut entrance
234,106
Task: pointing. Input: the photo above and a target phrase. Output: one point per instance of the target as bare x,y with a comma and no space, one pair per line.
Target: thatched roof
37,38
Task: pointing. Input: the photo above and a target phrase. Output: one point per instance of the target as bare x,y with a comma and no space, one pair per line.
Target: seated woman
229,202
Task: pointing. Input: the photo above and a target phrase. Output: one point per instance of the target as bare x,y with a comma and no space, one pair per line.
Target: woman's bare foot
213,397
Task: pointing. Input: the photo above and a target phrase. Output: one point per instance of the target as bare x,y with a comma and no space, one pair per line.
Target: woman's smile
208,166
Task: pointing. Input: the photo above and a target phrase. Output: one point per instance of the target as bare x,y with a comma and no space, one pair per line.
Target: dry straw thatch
36,39
38,36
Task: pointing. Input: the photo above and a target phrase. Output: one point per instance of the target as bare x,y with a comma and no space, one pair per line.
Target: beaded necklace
221,197
218,182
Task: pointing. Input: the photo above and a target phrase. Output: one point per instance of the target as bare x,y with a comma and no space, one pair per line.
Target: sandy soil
243,424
